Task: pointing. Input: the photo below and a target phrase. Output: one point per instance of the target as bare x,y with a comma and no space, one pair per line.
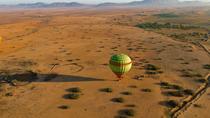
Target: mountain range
143,3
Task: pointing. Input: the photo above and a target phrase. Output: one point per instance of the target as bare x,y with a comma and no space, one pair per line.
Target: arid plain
55,50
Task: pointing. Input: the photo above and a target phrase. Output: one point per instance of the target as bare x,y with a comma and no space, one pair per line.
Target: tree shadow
29,76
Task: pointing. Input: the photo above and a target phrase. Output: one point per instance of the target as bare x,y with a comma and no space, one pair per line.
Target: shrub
64,107
126,93
151,72
175,93
130,105
146,90
201,80
151,67
206,66
188,92
166,15
127,112
172,103
167,85
108,90
119,100
9,94
155,25
164,84
177,87
197,105
74,90
132,86
72,96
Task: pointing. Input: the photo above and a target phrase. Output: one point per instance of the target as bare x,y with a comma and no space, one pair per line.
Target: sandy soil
79,43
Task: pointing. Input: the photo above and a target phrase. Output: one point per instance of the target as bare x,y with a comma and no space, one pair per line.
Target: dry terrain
48,55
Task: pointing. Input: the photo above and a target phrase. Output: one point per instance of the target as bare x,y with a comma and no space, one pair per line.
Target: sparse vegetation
146,90
188,92
127,112
155,25
118,100
64,107
72,96
130,105
126,93
108,90
171,103
190,73
151,67
9,94
197,105
132,86
74,90
175,93
167,85
166,15
206,66
201,80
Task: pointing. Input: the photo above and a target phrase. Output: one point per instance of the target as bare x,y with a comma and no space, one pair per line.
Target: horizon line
92,3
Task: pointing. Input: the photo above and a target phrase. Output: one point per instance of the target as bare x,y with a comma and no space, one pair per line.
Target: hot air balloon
120,64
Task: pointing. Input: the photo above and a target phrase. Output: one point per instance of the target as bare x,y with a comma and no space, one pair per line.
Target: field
54,63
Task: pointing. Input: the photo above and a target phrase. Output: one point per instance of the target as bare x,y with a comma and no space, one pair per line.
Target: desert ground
47,53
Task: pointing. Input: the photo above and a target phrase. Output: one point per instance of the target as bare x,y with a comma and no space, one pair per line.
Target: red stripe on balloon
119,64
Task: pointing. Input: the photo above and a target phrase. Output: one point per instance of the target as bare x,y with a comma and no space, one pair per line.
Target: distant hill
171,2
55,4
108,4
144,3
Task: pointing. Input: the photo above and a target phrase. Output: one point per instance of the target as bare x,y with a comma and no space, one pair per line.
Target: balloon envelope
120,64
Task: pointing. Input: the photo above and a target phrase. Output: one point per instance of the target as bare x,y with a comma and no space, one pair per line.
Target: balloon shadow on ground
28,77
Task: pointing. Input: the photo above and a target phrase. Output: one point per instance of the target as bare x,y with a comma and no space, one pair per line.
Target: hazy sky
82,1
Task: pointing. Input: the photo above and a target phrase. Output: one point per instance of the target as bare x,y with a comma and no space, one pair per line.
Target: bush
167,85
197,105
74,90
188,92
172,103
155,25
151,67
164,84
146,90
201,80
127,112
166,15
9,94
72,96
108,90
126,93
130,105
175,93
206,66
177,87
64,107
119,100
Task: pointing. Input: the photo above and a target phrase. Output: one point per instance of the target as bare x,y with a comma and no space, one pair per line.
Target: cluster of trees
155,25
198,35
166,15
